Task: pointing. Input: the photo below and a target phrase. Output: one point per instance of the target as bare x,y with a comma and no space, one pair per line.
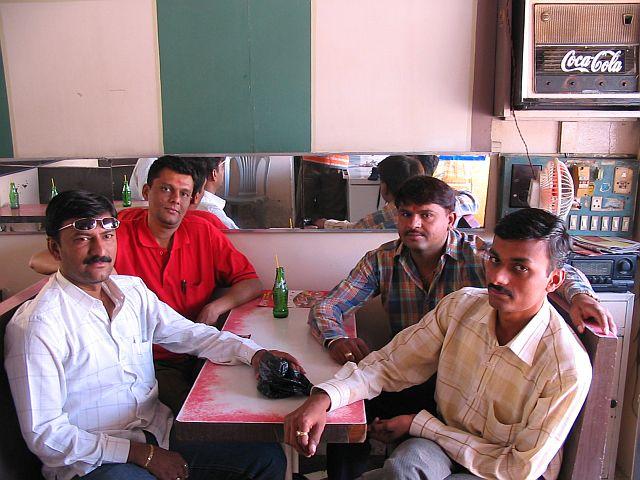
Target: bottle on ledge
126,193
14,196
54,190
280,295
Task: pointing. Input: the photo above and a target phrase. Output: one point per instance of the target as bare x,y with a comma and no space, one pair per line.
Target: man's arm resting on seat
239,293
43,262
584,303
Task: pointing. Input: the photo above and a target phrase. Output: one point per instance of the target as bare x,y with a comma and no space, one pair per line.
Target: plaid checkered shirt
389,271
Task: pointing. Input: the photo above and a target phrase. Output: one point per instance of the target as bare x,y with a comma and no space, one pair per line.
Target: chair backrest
584,448
247,167
16,461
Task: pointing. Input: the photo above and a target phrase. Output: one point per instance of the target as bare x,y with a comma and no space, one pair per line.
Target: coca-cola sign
604,61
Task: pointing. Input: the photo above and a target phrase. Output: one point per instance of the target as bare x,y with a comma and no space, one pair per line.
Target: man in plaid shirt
412,274
430,260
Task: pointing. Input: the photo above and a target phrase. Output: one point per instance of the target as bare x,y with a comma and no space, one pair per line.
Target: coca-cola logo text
605,61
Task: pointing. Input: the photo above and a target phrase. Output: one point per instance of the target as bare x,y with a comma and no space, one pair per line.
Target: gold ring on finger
300,433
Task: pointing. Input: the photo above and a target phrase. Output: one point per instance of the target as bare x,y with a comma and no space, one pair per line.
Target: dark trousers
346,461
209,461
175,379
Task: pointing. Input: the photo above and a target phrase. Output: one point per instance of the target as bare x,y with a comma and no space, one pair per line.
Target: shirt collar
146,238
525,344
213,199
452,247
83,299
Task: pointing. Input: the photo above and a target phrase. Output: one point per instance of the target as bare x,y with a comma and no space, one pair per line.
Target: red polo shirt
201,258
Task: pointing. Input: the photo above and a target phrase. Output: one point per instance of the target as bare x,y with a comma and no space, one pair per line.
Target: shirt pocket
497,432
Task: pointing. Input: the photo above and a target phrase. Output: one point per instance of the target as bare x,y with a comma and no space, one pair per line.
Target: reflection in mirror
260,191
357,191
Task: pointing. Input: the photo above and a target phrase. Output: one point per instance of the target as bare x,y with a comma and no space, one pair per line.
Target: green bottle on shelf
126,193
280,295
14,196
54,190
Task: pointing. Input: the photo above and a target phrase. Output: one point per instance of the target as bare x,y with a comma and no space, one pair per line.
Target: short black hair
397,169
537,224
74,204
429,163
200,173
208,164
175,164
423,189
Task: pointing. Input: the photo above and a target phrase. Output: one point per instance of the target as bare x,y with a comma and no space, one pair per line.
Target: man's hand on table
345,350
293,362
164,464
586,308
209,314
304,426
388,431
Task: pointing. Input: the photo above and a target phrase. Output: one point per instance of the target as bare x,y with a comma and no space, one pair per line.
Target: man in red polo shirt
183,260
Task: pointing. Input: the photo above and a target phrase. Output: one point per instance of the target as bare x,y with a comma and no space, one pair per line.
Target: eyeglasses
85,224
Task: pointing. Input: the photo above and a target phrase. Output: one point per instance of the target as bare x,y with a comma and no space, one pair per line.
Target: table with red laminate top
224,404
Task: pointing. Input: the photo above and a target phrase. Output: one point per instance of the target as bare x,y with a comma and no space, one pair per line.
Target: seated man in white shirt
512,375
80,365
210,202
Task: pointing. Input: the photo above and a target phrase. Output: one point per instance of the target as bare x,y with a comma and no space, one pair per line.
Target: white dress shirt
214,204
504,410
84,384
139,177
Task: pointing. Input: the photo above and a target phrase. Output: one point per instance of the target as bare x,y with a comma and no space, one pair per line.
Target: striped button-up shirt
389,271
504,410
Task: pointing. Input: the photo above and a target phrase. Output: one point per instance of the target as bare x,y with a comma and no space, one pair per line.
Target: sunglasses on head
85,224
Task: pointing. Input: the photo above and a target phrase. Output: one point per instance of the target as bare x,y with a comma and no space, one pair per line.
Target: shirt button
161,252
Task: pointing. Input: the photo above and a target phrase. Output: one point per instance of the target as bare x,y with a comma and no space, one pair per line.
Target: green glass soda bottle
54,190
126,193
14,196
280,295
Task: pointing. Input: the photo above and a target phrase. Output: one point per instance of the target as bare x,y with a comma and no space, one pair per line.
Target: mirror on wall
267,191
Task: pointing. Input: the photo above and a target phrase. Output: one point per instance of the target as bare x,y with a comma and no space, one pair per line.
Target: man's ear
54,248
556,278
145,191
452,219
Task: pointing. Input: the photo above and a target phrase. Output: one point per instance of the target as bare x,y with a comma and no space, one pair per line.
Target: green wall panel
6,143
235,75
280,36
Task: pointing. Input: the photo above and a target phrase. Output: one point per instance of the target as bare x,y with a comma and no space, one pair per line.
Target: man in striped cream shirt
512,375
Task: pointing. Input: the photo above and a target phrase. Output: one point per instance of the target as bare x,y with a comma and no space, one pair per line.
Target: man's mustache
407,232
97,259
499,289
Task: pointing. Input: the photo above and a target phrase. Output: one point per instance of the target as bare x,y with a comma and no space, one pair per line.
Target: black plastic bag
278,380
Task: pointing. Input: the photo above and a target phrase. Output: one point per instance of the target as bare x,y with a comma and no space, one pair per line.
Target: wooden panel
280,42
6,143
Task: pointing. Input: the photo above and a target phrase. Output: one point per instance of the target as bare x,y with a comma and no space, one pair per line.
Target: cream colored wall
312,260
392,75
82,77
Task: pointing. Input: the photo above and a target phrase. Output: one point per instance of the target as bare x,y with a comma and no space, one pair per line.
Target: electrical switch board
605,191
